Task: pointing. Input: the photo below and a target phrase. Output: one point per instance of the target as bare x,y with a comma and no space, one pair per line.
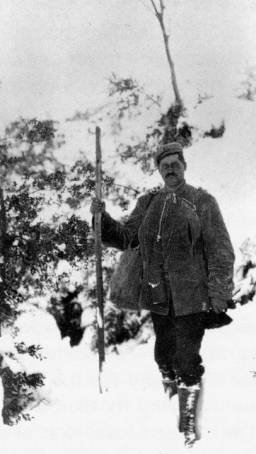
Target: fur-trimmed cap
167,149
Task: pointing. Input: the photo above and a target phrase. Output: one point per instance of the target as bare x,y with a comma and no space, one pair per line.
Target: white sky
56,55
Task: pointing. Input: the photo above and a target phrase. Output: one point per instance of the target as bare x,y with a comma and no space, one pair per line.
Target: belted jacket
185,247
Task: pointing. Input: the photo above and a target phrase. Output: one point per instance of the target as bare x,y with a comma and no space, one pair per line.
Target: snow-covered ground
133,414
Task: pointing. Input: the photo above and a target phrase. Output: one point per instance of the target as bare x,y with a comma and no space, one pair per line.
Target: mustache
172,174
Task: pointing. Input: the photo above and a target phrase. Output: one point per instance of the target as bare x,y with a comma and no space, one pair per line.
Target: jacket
185,246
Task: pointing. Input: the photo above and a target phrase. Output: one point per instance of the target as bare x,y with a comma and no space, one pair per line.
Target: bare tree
159,12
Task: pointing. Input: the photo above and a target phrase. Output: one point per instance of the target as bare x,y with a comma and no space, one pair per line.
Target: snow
133,414
226,167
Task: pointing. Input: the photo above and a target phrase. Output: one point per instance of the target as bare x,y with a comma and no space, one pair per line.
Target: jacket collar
178,190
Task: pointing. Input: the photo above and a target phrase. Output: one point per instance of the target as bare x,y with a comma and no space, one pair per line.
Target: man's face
171,170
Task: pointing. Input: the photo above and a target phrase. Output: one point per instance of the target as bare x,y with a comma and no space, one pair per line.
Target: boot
188,402
170,386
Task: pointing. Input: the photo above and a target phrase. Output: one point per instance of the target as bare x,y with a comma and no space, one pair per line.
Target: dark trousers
177,346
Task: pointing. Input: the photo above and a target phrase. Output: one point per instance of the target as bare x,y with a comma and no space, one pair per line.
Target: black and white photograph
128,226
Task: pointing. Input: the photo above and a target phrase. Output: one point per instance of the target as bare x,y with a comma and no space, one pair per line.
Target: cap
168,149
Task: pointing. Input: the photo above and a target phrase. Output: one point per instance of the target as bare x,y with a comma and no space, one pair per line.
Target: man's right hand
97,206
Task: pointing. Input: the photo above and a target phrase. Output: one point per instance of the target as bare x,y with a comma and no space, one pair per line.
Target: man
187,271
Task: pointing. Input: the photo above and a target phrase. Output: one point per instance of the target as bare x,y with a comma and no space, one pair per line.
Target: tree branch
130,188
160,17
162,6
155,8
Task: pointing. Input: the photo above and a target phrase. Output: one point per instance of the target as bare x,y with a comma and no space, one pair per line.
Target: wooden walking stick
2,249
98,251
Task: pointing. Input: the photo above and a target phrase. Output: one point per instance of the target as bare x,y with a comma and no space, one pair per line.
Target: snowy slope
134,415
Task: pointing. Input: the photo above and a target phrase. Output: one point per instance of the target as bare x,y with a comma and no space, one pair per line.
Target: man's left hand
219,305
